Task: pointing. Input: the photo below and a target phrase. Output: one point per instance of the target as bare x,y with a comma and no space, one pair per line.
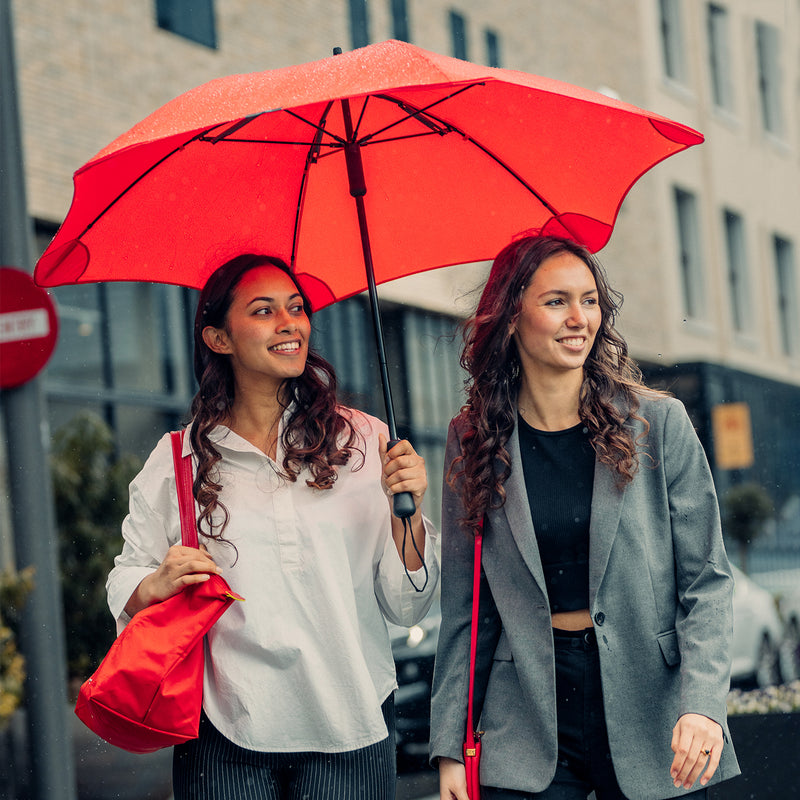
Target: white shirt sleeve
400,602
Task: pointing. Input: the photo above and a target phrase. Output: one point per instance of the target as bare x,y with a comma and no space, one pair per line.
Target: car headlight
416,635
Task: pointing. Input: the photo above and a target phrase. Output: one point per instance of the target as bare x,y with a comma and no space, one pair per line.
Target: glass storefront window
138,340
138,428
78,357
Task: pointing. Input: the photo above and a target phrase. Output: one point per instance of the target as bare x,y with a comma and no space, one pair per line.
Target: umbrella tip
337,51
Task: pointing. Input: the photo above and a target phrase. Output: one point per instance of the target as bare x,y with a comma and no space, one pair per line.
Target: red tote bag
147,693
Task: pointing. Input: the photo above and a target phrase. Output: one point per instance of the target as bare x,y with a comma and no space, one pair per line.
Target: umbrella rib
419,114
338,143
287,142
448,127
361,117
432,121
514,174
317,126
312,156
140,178
233,128
331,146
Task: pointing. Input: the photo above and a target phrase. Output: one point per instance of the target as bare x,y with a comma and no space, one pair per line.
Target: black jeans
584,757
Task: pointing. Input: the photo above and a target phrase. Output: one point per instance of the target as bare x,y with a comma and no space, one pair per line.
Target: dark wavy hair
318,434
608,396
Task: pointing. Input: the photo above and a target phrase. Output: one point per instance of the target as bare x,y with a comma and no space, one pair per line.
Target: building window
787,296
719,56
769,90
122,351
192,19
738,282
359,23
401,27
672,46
492,48
342,334
125,352
434,384
458,34
692,283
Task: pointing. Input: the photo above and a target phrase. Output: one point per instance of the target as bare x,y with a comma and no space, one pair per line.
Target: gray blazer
660,597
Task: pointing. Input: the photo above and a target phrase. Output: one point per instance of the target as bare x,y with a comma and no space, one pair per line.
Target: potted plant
746,507
14,586
765,728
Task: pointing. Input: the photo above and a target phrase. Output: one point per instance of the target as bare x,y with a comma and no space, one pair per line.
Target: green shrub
90,484
745,509
14,586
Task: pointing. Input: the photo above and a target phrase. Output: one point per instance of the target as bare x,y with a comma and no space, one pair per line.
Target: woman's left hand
696,741
403,470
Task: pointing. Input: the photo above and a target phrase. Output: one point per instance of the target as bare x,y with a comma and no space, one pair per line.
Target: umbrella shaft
376,316
358,188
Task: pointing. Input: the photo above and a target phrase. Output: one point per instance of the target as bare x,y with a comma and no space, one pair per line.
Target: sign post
28,328
50,774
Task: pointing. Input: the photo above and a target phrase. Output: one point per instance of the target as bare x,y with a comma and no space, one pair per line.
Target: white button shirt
304,663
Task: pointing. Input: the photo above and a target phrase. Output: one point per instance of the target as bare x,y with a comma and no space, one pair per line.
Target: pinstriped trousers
213,768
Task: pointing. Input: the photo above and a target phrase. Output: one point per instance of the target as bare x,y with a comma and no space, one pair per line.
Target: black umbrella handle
403,504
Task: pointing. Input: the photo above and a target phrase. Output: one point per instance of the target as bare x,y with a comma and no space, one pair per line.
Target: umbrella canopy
457,159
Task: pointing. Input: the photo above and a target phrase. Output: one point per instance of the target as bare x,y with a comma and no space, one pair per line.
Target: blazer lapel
518,513
603,525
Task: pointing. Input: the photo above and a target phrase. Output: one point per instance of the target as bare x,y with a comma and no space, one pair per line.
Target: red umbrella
446,160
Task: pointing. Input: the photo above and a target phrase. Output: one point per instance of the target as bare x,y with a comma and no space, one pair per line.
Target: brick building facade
705,249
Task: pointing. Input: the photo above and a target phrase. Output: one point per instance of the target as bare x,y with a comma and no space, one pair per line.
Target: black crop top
559,473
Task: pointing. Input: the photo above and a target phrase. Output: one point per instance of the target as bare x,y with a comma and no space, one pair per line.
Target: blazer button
599,617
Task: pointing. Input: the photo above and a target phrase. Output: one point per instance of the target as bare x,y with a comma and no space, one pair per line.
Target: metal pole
32,517
403,503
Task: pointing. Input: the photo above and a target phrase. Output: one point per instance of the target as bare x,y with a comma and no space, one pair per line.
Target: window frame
184,18
719,56
737,271
786,295
401,23
458,35
492,41
768,72
359,23
690,254
673,44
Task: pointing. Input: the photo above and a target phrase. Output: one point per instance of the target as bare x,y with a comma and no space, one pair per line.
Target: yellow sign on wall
733,435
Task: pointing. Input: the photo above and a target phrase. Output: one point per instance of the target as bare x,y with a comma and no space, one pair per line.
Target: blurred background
705,251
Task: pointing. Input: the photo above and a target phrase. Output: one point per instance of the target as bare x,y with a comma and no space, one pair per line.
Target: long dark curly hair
608,396
318,434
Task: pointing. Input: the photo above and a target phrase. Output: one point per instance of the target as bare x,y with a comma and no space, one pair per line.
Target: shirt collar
222,436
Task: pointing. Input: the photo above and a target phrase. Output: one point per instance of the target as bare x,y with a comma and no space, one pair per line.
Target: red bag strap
183,480
473,644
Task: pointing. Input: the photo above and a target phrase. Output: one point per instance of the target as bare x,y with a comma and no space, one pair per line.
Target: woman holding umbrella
292,495
605,599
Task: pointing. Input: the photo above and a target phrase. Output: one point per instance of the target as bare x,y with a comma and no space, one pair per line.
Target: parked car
789,606
414,650
757,634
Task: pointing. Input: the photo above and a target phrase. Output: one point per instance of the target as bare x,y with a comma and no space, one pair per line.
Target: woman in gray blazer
605,623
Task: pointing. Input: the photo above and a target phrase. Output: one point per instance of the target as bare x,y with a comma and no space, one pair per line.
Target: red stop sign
28,327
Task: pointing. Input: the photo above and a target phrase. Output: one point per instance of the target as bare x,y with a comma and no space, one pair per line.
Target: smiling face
266,330
559,317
